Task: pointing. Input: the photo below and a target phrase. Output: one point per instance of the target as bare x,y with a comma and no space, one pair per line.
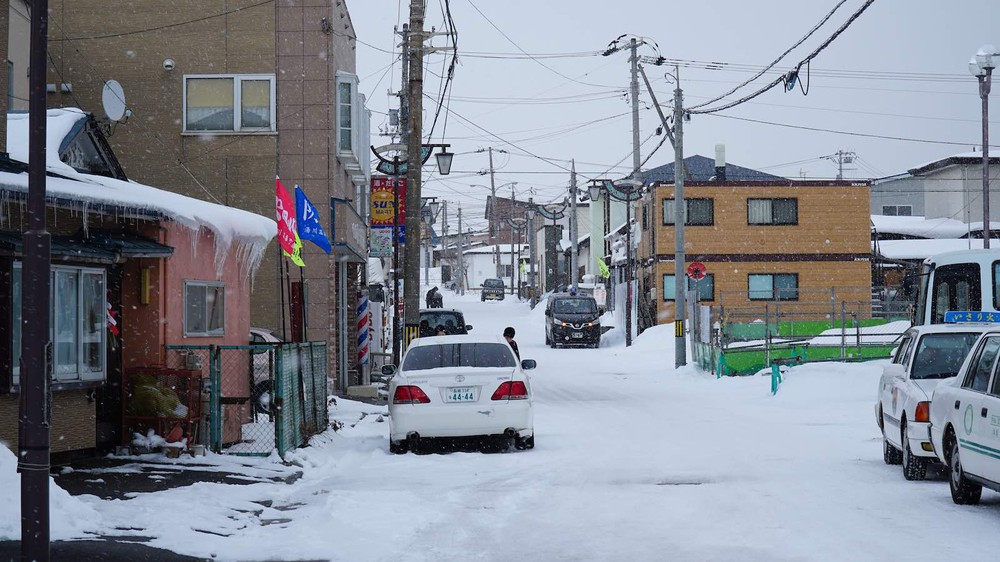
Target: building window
773,211
347,98
705,287
77,323
700,212
897,210
204,308
229,103
773,286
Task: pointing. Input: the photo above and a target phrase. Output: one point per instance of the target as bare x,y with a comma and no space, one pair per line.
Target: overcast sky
899,70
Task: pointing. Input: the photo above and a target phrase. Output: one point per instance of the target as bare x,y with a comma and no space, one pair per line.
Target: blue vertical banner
308,221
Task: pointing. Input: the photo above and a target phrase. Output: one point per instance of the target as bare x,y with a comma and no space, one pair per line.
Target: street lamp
981,66
444,159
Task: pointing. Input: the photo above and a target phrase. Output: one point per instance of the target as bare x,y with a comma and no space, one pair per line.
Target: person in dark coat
434,299
508,334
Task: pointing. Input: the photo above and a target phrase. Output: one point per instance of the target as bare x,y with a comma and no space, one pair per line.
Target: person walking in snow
508,334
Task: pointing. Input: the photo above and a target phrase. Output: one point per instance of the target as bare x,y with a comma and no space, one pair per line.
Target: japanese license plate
577,335
461,394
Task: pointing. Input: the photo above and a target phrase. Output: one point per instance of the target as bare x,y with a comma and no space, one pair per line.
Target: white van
967,280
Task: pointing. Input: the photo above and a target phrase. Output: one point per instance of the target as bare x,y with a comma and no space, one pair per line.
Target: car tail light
409,395
923,412
511,390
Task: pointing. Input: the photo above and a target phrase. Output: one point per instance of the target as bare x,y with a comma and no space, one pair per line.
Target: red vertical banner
285,216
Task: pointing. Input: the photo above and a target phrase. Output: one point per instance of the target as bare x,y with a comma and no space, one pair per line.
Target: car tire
260,398
963,491
525,443
890,454
397,447
914,467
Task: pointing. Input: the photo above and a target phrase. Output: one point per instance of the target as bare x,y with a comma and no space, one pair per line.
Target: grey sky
897,71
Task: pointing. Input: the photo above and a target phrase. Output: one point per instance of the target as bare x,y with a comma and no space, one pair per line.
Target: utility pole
637,176
461,253
510,221
494,227
414,156
444,237
574,276
35,401
842,157
680,279
531,249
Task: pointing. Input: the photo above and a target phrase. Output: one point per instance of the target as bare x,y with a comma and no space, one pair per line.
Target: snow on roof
920,226
922,249
504,248
249,232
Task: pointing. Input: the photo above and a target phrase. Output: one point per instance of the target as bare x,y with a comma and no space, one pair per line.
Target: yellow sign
383,208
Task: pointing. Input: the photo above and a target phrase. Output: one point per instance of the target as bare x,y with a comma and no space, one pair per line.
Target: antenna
113,99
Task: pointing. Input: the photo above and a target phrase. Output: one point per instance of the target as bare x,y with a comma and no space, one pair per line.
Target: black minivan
572,319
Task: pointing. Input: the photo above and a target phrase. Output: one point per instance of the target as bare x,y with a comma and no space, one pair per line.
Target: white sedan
965,422
926,355
459,387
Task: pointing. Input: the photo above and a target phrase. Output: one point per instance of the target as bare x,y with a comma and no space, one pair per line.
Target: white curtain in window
255,104
759,211
210,104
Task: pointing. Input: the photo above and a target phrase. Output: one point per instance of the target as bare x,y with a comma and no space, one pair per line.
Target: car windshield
493,284
459,355
449,322
575,306
940,356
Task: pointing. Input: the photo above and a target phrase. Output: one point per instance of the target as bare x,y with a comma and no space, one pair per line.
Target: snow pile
883,333
69,516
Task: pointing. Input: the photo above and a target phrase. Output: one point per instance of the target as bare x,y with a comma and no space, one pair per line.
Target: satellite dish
113,98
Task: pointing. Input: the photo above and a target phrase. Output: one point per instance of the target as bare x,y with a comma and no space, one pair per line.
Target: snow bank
69,517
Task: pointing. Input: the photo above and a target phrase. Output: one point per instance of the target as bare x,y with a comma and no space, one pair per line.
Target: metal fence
744,339
258,398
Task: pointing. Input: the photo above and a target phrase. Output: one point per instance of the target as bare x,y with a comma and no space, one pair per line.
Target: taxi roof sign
959,316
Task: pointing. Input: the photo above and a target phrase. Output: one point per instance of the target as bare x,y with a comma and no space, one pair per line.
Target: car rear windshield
459,355
493,284
941,355
575,306
451,322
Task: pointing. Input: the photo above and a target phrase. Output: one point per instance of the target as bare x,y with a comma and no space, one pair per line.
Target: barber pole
364,338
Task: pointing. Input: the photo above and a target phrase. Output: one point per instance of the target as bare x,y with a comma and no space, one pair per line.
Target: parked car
449,321
572,319
965,422
926,355
460,387
262,363
492,289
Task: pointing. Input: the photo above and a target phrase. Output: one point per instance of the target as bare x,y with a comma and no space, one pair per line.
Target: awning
100,247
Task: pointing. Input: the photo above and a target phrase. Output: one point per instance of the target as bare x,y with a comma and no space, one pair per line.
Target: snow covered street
633,461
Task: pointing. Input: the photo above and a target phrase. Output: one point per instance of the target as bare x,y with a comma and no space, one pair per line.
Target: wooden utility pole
414,161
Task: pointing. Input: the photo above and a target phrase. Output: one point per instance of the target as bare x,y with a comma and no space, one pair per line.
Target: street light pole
415,95
981,66
531,248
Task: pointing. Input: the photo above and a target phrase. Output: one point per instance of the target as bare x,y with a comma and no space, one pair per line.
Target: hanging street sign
623,191
552,212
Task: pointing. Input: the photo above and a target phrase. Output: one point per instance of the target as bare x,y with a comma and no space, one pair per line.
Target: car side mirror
894,370
388,370
548,313
468,327
528,364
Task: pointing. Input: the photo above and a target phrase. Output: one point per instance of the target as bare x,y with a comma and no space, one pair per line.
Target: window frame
773,221
208,333
668,218
896,209
65,375
774,296
238,80
352,81
690,287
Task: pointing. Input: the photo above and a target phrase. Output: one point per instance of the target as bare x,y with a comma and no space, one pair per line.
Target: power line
792,76
849,133
777,60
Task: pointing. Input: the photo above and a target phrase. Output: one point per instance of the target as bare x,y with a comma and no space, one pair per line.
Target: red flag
285,212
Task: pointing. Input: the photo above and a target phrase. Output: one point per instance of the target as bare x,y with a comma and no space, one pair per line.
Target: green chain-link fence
259,398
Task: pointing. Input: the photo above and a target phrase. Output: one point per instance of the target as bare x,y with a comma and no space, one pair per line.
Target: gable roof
700,168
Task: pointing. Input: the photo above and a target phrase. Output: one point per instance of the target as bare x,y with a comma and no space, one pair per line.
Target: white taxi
460,387
926,355
965,422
